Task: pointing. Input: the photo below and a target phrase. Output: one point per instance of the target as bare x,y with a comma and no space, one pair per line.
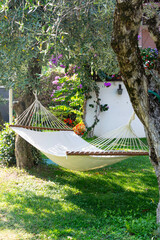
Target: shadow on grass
37,214
90,201
130,184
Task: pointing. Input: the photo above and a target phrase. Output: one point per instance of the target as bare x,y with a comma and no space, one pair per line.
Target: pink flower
57,77
53,93
80,86
55,82
58,87
107,84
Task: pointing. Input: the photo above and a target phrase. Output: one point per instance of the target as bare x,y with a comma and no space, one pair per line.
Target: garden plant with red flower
149,57
69,122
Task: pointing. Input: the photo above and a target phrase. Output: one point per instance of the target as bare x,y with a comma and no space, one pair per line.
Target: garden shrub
68,97
7,146
149,57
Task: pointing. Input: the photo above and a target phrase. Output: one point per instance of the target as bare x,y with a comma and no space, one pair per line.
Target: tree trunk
127,19
23,150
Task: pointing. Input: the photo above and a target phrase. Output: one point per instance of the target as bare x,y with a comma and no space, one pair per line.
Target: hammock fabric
60,144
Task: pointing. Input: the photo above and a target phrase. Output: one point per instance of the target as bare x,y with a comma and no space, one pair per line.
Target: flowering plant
69,122
149,57
80,128
107,84
68,97
116,77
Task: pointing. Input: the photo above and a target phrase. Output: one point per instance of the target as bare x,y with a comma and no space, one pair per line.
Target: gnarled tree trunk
127,19
23,150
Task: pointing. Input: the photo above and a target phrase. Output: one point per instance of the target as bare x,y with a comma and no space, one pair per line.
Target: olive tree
32,31
127,20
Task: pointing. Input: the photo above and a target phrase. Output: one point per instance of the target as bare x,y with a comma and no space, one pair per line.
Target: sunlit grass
116,202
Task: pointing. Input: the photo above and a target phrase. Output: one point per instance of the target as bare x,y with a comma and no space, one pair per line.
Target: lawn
48,202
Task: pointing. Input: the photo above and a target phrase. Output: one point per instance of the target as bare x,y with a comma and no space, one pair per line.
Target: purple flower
57,77
60,56
54,61
50,66
55,82
58,87
79,67
113,76
62,66
107,84
80,86
139,37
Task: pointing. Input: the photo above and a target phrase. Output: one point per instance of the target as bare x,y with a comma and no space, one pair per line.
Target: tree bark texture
23,150
127,20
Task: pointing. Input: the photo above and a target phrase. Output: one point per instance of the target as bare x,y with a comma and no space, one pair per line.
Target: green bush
7,146
38,158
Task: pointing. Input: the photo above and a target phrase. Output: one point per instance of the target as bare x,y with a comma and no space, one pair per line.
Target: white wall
119,113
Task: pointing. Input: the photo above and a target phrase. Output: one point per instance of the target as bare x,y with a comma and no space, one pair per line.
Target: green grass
116,202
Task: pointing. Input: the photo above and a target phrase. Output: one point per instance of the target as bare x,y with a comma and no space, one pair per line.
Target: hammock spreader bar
131,153
41,128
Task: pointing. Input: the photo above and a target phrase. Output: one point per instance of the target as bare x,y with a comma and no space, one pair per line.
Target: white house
119,112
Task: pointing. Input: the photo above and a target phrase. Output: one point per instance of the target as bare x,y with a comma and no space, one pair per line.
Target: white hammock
60,144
